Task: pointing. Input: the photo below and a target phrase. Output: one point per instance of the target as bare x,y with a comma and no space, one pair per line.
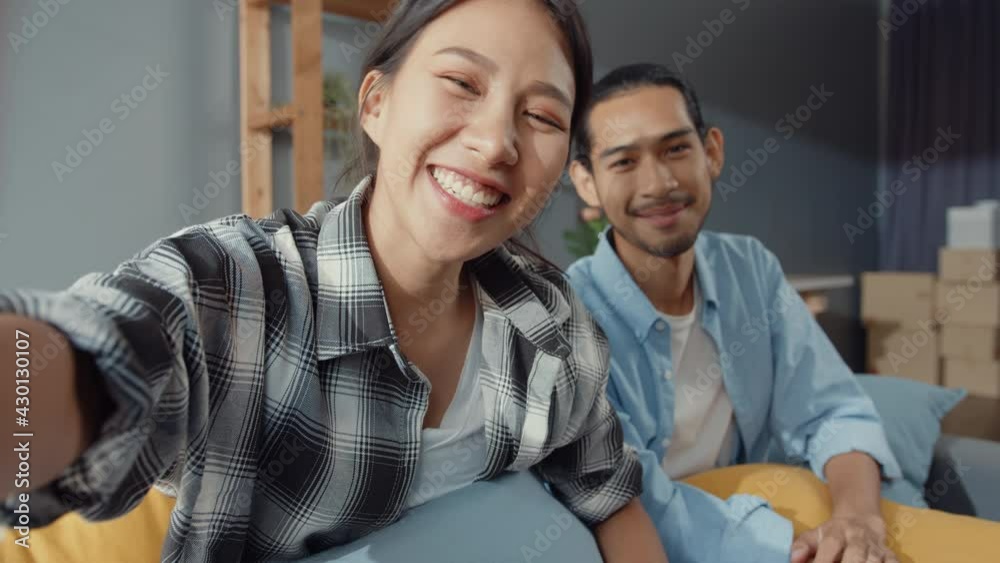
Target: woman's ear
583,181
715,149
371,105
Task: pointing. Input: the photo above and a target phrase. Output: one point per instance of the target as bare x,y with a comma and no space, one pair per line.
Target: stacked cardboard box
898,311
968,298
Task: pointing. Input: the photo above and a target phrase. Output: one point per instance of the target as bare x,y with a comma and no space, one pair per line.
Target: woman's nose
491,134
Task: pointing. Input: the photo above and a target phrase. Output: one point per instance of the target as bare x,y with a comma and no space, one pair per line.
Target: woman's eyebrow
550,90
473,56
538,87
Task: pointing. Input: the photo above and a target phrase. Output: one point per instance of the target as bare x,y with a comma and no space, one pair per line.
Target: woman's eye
545,120
462,84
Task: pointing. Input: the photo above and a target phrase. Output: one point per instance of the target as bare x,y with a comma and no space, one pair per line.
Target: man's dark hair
624,79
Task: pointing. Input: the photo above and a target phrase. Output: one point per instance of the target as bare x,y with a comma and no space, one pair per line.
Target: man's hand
846,539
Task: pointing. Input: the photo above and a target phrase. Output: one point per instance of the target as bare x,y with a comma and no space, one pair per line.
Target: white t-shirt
703,414
455,453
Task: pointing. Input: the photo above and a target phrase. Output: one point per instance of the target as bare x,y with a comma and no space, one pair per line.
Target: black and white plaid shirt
257,377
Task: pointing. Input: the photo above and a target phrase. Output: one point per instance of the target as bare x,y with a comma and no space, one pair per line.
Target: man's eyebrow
635,144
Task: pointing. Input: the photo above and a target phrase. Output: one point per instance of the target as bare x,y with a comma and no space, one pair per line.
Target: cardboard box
979,378
909,352
976,226
970,304
897,297
966,265
970,343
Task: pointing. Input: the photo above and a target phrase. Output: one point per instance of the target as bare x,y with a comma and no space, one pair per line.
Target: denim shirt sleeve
819,410
697,526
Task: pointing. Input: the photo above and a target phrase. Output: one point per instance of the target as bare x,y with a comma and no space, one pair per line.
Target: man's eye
622,162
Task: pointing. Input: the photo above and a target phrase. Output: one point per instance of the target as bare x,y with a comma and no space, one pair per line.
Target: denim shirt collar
621,292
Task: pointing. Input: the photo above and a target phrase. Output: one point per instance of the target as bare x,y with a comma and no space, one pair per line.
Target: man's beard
670,248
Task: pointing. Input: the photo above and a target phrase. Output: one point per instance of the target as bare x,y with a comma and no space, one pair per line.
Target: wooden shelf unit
304,114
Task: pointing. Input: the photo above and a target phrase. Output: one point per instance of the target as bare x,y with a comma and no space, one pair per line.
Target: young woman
287,378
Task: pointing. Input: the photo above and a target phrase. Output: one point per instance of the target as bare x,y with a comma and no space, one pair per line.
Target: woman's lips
459,208
662,217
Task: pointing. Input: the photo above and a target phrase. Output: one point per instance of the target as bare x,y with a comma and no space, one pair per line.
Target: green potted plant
338,110
582,241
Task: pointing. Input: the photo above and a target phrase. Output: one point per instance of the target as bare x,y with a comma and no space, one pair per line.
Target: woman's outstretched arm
64,402
629,536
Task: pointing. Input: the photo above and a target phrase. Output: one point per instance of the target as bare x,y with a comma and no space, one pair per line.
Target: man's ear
371,105
715,148
584,183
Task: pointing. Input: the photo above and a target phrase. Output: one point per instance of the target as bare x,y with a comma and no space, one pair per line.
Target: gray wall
128,191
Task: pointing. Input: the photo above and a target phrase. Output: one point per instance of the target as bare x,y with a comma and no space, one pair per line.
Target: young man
713,353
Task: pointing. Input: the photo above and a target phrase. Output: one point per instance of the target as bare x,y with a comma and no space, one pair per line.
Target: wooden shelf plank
255,99
279,117
307,78
371,10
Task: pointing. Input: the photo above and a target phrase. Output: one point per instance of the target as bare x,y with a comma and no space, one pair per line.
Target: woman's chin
446,248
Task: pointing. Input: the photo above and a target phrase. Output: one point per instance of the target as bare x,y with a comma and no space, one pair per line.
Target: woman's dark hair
627,78
396,39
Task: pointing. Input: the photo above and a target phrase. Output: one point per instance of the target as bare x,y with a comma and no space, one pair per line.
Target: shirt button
661,326
670,374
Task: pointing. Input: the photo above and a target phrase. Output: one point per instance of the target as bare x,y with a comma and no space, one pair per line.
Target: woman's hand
630,537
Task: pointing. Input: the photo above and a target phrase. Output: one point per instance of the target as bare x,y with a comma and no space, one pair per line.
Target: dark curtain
944,60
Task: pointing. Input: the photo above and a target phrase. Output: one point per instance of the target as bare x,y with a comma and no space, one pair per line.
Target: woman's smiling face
474,129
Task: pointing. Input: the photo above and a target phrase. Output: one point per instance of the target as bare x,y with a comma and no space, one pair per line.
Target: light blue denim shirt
785,379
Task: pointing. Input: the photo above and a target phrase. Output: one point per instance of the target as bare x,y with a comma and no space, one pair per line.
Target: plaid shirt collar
348,281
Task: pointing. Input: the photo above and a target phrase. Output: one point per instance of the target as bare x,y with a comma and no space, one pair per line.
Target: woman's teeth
465,190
